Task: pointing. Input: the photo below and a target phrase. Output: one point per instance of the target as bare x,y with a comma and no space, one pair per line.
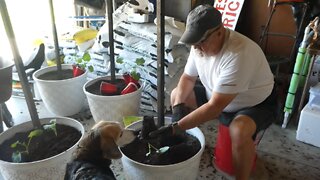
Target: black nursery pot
187,170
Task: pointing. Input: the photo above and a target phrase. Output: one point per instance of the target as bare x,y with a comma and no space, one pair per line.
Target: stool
223,151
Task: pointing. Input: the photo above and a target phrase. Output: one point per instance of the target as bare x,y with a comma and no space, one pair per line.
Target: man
237,85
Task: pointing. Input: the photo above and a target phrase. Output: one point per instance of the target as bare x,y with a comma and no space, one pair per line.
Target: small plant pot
186,170
50,168
77,71
112,108
5,79
61,97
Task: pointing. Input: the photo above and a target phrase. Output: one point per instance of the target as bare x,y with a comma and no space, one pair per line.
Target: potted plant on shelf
25,135
66,89
114,99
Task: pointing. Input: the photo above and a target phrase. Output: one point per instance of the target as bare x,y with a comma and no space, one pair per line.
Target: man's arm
207,111
183,89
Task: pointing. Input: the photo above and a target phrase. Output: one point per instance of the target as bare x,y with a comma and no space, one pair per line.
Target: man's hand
167,131
179,111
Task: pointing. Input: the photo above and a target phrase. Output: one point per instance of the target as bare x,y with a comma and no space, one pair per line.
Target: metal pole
111,41
55,39
314,53
19,65
1,119
160,60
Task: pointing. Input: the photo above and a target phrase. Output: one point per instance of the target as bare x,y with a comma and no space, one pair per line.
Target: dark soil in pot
94,88
43,146
180,149
53,75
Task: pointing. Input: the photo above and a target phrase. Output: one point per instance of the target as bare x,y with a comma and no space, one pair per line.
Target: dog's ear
110,149
109,134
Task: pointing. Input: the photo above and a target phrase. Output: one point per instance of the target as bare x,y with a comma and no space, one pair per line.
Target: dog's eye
121,134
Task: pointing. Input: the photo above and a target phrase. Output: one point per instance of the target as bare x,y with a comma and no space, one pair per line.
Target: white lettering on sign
230,10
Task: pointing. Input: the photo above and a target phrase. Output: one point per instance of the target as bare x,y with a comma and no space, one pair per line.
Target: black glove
179,111
148,126
167,131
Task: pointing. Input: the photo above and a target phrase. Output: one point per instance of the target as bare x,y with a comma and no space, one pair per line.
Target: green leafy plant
83,61
158,151
51,127
134,69
17,155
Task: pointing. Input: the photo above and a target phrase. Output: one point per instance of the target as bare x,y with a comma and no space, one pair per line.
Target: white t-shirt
240,67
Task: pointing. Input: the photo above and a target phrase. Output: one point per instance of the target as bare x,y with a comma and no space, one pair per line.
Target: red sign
230,10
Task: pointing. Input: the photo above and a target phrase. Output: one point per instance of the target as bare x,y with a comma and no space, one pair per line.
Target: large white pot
50,168
112,108
186,170
61,97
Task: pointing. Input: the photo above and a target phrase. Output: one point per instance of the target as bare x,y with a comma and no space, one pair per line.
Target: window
31,20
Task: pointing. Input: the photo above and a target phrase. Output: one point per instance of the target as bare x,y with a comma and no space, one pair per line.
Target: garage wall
254,17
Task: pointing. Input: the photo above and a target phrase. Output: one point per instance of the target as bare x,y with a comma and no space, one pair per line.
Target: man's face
211,44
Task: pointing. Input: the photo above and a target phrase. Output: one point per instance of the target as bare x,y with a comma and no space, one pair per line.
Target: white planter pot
186,170
112,108
50,168
5,79
61,97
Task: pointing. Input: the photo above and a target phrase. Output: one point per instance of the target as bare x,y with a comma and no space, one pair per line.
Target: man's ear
109,149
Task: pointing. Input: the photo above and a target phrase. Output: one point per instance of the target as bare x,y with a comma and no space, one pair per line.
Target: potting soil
144,149
53,75
95,87
180,149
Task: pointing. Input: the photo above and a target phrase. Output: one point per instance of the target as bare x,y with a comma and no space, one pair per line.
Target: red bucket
223,152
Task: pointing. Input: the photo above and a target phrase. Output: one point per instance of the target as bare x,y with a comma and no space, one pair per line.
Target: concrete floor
280,155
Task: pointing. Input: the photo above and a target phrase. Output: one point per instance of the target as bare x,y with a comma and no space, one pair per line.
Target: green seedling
134,69
83,61
158,151
17,155
51,127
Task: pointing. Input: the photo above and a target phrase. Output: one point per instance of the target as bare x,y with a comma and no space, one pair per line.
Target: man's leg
242,128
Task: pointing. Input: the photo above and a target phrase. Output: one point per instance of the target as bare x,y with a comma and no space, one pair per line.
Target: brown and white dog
92,158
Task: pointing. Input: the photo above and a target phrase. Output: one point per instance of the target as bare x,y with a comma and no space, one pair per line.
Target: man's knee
242,129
